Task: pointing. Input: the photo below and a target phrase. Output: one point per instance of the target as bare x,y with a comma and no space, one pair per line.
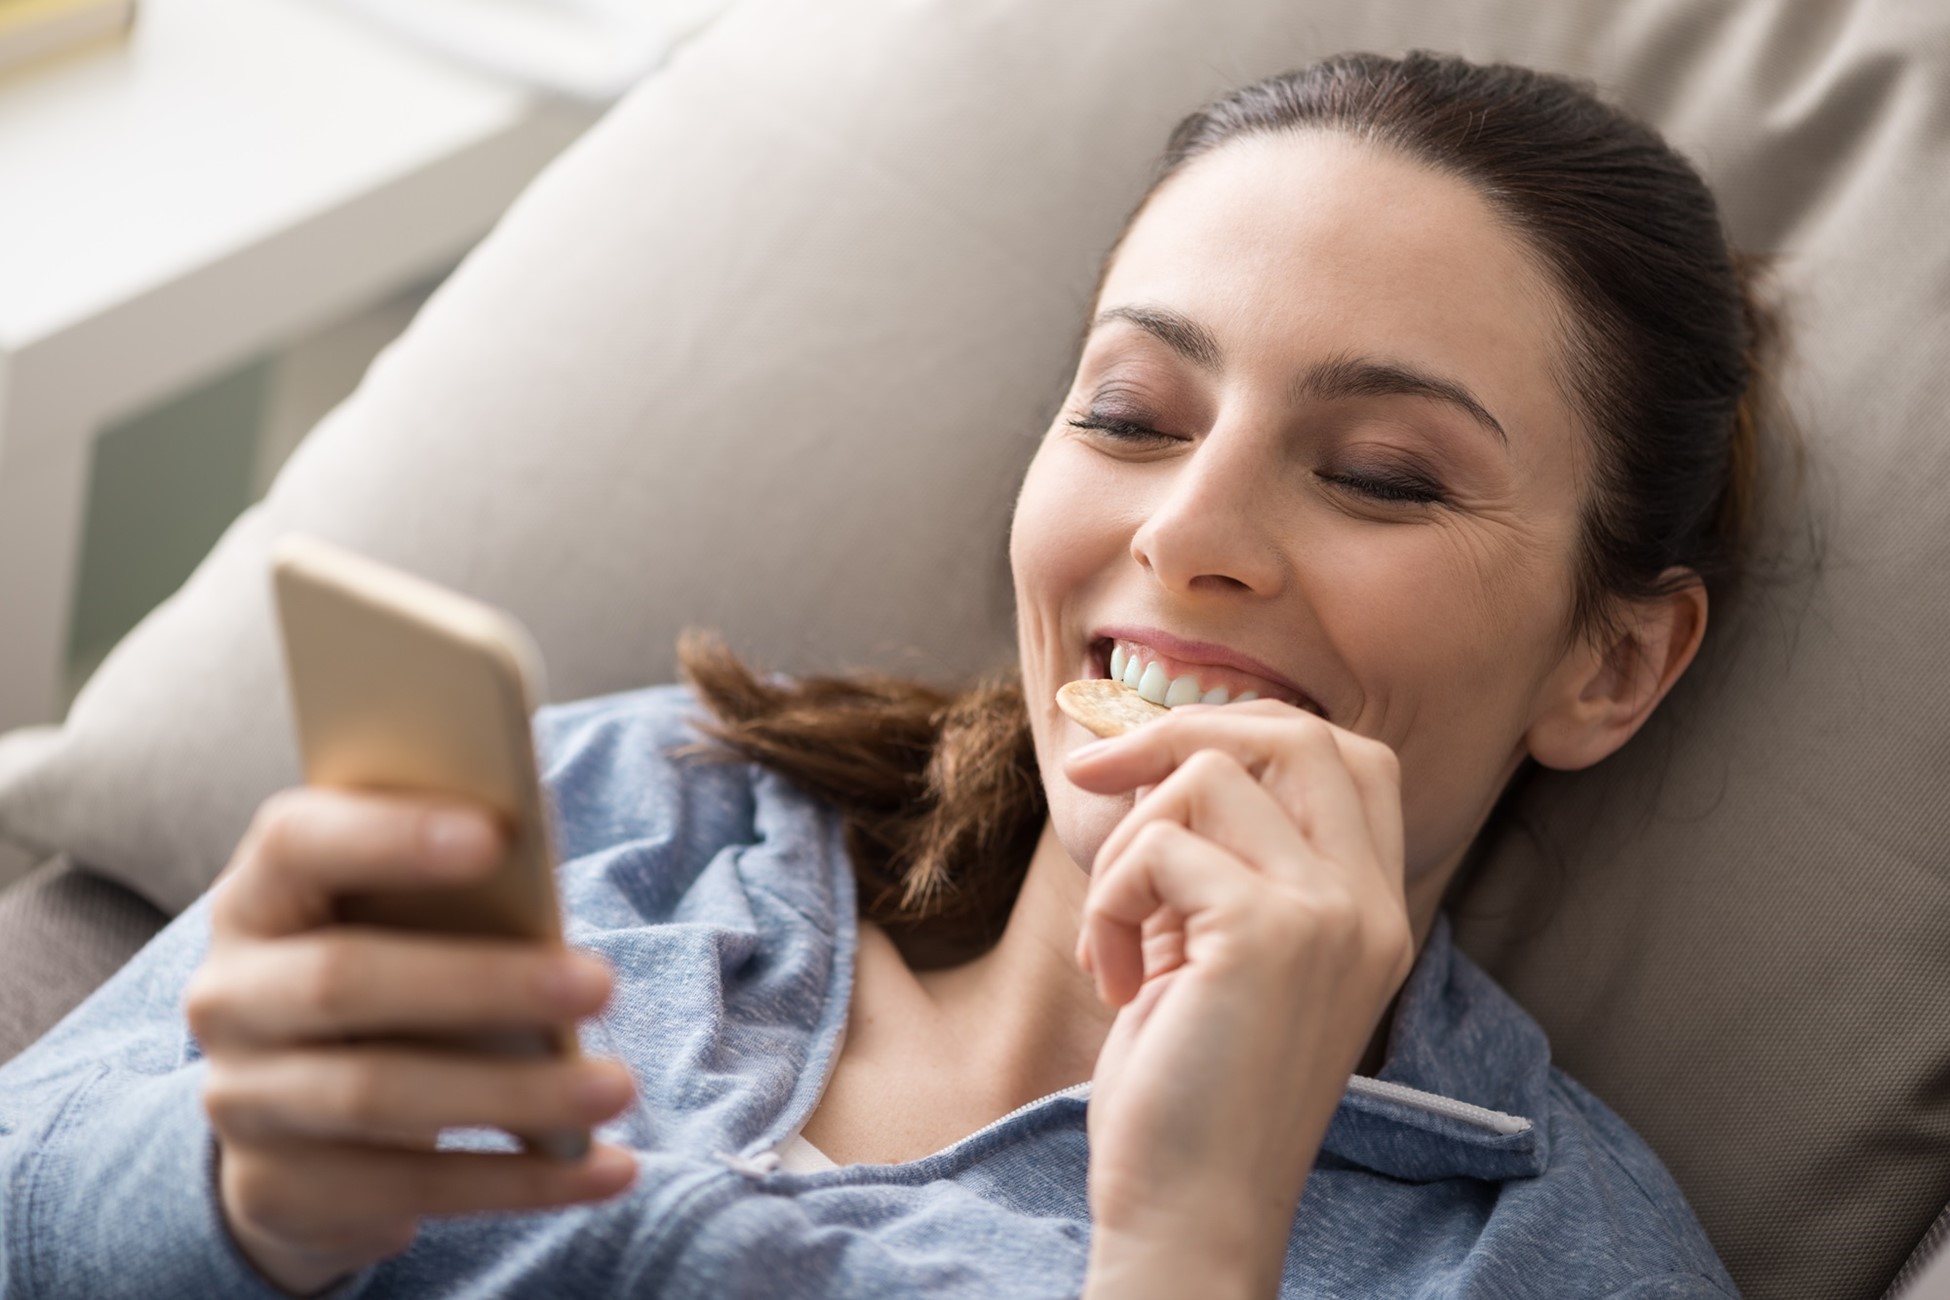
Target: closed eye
1405,489
1392,488
1122,430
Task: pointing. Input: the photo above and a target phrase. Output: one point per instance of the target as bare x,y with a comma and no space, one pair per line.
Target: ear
1604,689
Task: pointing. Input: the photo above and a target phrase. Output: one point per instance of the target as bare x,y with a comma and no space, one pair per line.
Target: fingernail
1090,750
601,1094
456,839
573,983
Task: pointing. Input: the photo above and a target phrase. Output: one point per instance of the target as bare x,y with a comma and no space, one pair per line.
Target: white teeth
1151,681
1184,690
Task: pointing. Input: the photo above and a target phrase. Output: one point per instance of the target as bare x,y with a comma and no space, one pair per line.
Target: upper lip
1206,652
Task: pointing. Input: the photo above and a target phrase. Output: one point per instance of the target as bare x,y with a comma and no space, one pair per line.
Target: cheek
1062,537
1436,621
1446,633
1063,545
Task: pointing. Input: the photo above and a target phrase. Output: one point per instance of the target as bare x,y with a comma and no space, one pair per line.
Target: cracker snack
1106,707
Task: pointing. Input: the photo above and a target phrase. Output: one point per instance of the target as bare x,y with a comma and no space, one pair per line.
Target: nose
1212,530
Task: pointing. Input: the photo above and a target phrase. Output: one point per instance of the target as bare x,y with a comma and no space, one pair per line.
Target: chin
1082,821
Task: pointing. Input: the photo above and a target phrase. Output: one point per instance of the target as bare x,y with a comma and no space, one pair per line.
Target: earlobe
1602,692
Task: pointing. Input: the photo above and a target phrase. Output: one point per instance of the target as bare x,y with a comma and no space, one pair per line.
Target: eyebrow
1340,378
1184,335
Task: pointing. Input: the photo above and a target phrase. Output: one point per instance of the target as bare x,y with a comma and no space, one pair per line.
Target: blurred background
213,215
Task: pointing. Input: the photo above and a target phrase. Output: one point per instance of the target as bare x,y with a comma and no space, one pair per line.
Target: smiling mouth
1171,682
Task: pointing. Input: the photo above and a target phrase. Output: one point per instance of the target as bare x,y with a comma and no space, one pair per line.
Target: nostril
1224,582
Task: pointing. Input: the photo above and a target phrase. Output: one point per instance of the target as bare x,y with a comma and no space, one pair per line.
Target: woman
1412,427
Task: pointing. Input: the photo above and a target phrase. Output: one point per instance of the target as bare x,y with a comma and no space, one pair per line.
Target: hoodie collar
1457,1038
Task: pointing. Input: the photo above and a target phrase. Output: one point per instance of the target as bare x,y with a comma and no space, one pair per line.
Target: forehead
1299,247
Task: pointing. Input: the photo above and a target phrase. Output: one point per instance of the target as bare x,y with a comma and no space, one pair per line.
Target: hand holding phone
362,960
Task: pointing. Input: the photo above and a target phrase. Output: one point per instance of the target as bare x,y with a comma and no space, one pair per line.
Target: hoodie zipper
1495,1121
770,1159
1079,1091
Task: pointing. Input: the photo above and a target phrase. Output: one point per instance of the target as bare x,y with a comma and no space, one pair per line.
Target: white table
238,174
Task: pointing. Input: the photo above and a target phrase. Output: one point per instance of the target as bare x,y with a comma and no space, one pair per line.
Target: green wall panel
162,486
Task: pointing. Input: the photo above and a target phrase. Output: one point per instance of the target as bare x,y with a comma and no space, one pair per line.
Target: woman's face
1317,448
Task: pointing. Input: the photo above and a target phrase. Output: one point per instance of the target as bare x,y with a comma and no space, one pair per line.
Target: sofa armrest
63,930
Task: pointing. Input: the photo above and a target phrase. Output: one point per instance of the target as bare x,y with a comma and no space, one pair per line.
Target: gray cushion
1738,928
1925,1275
768,348
63,930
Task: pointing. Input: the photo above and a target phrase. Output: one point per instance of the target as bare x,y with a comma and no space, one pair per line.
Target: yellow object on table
35,29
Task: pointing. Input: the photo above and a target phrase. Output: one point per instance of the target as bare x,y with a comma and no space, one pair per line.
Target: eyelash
1398,489
1403,489
1125,430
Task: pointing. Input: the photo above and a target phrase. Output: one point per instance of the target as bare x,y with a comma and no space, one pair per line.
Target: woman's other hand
1247,917
325,1111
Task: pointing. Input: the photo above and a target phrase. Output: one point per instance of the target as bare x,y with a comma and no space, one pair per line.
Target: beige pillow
768,348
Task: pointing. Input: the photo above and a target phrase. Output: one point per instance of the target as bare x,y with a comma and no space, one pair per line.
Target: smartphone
400,684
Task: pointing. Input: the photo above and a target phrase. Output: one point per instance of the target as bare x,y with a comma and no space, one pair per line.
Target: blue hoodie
723,898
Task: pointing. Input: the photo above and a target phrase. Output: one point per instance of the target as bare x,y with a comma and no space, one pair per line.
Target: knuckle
327,981
275,821
1327,915
1283,923
517,984
1381,759
1339,919
546,1094
392,826
223,1102
205,1004
361,1098
264,1197
1315,738
1212,765
226,917
1392,942
1153,837
410,830
1307,724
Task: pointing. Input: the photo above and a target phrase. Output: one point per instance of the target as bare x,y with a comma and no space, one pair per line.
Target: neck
1025,1007
1424,898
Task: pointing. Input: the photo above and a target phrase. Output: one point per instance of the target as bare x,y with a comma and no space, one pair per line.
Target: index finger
309,844
1303,760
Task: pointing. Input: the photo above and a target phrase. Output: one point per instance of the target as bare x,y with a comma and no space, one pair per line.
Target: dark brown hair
1668,333
939,789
